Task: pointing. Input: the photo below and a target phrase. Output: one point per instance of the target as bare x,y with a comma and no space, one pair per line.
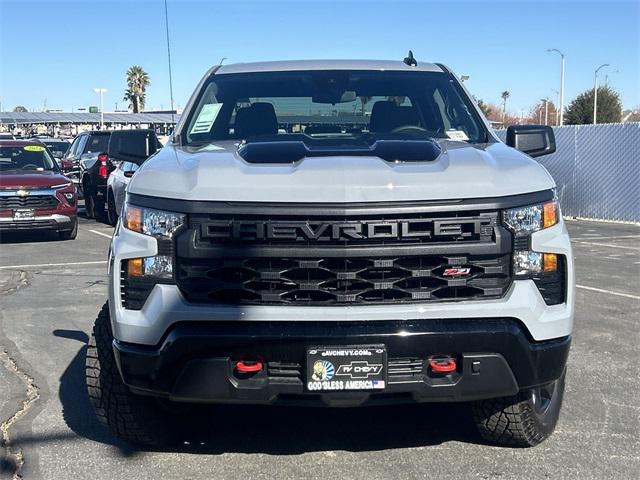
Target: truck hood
31,179
217,172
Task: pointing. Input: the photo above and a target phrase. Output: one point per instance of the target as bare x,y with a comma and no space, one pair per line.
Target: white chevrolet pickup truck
337,233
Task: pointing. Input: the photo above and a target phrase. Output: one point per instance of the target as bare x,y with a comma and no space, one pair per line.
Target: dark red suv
34,194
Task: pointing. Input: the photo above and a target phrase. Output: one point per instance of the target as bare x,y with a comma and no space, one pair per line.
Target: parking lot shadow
76,409
28,237
218,429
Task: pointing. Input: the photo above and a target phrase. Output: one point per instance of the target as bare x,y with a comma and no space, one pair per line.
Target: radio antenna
410,60
166,23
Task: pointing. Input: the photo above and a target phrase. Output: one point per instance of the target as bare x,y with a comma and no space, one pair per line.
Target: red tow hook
248,367
443,364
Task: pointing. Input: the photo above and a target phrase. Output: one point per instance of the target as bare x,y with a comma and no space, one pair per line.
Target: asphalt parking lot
51,291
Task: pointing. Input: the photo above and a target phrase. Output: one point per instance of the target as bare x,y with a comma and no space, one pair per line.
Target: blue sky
59,51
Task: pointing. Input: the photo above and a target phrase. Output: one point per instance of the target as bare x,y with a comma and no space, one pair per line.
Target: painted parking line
609,292
101,234
97,262
609,245
588,236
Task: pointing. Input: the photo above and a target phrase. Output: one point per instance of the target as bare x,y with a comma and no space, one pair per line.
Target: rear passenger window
97,143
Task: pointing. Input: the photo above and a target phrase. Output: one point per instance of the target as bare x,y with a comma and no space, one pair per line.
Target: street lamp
561,82
546,110
101,91
595,92
606,78
464,78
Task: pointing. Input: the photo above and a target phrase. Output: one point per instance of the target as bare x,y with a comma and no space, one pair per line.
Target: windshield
333,104
28,157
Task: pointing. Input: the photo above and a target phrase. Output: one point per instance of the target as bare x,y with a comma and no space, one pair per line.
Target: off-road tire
134,418
70,234
518,421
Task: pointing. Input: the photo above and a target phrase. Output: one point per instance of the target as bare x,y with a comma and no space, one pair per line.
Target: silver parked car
126,166
116,187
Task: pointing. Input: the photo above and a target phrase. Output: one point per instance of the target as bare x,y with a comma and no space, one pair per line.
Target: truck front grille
327,258
345,281
39,202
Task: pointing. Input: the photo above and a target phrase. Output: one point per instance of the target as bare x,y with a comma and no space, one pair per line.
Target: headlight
160,266
156,223
523,221
529,219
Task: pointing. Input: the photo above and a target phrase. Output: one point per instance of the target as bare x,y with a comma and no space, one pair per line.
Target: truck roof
293,65
19,143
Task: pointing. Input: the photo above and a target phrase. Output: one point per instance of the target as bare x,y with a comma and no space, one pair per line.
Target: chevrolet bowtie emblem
22,193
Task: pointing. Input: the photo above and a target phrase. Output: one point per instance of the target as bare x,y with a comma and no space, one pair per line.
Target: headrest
381,115
258,119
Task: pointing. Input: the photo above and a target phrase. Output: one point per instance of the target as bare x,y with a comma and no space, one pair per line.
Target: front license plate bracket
346,368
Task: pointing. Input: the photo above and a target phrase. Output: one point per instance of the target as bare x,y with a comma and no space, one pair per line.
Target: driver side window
80,148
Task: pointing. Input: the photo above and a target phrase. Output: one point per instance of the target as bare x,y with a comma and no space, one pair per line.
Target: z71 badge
456,272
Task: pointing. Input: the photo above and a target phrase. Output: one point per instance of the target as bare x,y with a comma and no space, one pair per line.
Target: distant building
59,123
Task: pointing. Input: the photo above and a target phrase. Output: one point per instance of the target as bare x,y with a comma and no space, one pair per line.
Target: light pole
546,110
606,78
556,105
561,82
101,91
595,92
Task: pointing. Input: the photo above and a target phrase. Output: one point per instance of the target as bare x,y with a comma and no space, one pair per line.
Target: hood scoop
293,148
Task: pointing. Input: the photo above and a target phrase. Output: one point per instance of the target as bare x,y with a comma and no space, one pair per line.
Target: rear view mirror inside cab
334,97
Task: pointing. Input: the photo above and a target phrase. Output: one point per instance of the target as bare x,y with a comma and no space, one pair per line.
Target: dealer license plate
23,214
346,368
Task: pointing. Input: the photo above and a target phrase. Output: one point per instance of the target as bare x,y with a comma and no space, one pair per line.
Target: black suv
89,153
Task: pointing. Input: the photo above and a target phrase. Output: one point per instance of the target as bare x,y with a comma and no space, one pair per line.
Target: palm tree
137,83
506,94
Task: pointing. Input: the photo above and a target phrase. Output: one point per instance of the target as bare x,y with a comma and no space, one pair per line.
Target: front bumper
194,362
53,222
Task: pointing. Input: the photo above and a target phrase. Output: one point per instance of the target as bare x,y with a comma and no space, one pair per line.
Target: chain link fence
597,170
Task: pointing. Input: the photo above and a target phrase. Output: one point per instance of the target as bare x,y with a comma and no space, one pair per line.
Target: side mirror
534,140
65,165
132,145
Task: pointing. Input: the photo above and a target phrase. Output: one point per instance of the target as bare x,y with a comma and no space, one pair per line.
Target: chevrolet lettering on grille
239,230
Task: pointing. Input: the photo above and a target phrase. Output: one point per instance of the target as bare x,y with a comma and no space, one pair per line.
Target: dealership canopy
83,118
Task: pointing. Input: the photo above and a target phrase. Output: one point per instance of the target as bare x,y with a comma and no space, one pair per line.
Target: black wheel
70,234
93,206
112,214
523,420
99,212
89,199
134,418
